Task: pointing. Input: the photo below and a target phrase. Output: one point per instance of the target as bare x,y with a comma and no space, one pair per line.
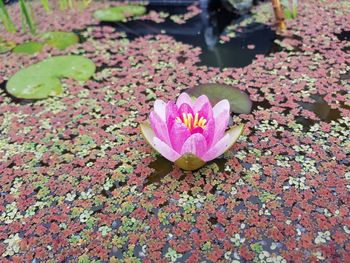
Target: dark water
204,31
321,109
345,76
3,85
344,35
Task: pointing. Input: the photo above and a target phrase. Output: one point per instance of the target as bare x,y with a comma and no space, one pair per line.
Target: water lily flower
190,132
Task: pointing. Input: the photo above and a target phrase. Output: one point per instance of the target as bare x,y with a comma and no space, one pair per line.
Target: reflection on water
204,31
321,109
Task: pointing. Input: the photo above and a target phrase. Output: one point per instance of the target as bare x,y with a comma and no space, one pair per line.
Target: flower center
192,122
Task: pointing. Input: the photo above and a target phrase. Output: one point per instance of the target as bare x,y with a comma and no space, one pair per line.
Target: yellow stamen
184,117
189,118
200,122
195,124
192,122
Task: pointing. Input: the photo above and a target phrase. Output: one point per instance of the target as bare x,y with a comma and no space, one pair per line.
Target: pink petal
224,143
178,135
209,132
159,127
171,112
165,150
221,122
200,101
221,106
184,98
206,111
159,108
195,144
185,108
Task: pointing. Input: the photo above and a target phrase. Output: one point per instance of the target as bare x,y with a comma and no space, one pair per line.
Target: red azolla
181,246
155,245
276,234
194,257
215,254
245,253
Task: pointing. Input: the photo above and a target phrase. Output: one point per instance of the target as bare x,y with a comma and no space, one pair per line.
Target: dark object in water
240,6
205,30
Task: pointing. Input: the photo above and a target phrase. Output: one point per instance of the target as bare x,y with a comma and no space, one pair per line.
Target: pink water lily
190,132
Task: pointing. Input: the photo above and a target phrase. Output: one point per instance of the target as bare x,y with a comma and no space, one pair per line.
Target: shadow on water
162,167
204,31
321,109
3,85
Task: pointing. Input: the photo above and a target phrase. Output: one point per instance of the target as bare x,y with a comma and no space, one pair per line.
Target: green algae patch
60,40
119,13
28,48
42,80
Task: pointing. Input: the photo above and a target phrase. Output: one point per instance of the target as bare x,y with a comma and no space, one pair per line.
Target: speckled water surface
78,183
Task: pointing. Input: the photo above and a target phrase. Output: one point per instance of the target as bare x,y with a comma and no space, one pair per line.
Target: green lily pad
119,13
60,40
133,10
6,46
29,48
239,101
41,80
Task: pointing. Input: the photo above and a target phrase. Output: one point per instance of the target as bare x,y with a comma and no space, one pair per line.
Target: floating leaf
29,48
41,80
60,40
239,101
133,10
118,13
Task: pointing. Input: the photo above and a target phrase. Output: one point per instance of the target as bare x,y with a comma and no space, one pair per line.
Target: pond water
204,31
